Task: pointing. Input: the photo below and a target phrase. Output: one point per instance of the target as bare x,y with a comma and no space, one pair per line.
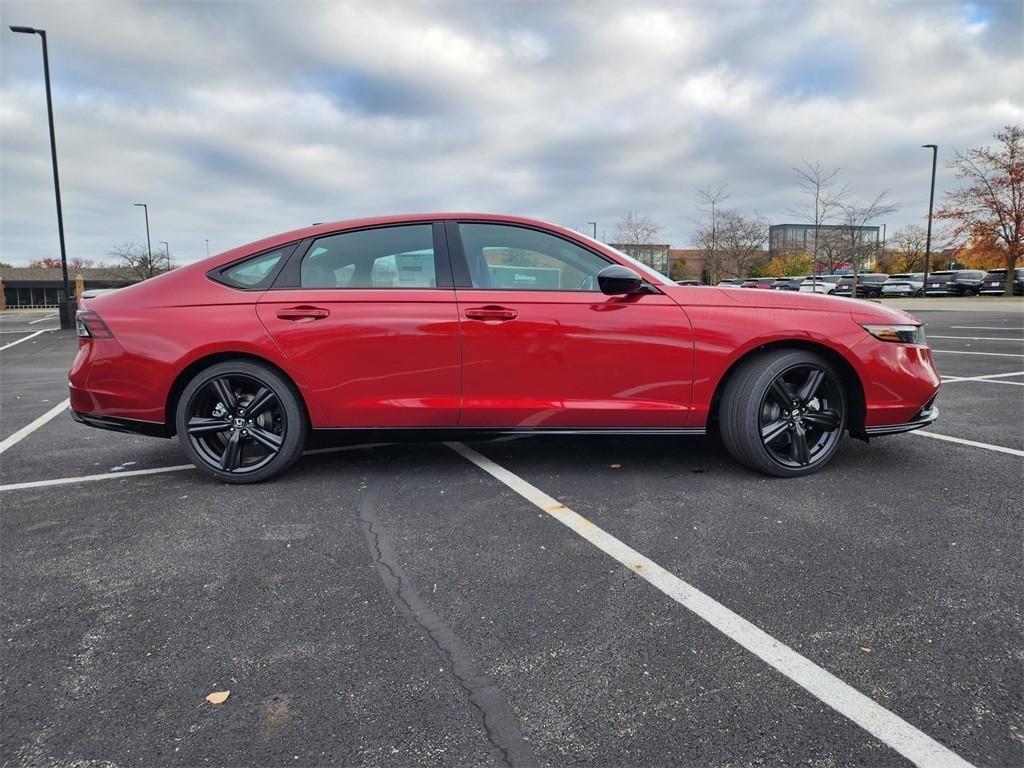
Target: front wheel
783,412
241,422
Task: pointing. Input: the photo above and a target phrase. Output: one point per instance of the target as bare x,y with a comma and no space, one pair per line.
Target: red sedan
477,324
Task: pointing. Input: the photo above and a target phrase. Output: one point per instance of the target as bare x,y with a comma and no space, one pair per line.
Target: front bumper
923,418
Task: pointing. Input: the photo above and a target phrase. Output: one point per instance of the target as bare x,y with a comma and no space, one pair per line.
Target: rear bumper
118,424
923,418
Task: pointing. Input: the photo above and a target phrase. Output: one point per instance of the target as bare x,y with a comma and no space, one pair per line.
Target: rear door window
385,257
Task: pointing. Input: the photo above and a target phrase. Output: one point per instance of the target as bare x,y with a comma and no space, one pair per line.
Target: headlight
901,334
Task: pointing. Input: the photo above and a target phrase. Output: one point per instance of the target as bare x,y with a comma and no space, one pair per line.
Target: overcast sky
238,120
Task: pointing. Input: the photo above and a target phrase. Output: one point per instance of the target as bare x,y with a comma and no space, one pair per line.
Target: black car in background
954,282
782,283
994,282
758,282
869,285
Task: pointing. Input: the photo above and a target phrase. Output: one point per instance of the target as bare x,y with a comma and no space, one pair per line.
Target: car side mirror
617,280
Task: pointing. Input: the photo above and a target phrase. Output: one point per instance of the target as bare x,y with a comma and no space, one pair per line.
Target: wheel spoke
798,449
771,432
810,386
266,438
204,425
780,390
232,456
224,392
260,402
827,419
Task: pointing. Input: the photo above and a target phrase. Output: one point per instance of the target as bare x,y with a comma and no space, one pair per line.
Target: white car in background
821,284
906,284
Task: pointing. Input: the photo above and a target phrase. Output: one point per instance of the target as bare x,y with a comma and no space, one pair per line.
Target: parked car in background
869,285
781,283
731,282
821,284
758,282
689,282
793,283
905,284
994,282
954,282
403,323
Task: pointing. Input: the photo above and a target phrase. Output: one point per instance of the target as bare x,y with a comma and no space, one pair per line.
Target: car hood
861,311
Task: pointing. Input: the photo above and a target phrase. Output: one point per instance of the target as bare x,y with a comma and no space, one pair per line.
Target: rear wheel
241,422
783,412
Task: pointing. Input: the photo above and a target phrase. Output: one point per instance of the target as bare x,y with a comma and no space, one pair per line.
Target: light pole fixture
149,246
67,319
931,203
207,247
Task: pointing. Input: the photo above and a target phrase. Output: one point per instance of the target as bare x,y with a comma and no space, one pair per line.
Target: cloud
234,121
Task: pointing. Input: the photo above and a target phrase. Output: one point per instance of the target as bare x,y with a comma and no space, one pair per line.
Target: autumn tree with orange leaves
990,206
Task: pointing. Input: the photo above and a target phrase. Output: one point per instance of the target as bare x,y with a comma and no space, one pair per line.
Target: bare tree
633,229
709,201
856,215
742,240
824,198
136,257
907,251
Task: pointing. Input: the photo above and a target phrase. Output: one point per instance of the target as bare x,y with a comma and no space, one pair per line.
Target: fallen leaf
218,697
866,649
615,466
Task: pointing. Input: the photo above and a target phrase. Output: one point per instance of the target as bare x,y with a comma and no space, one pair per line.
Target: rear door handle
303,314
492,313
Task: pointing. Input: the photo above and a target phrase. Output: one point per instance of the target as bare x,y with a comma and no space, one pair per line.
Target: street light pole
207,247
149,246
67,319
167,252
594,225
931,203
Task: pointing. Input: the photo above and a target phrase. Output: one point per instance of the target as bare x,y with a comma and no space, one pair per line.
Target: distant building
654,255
41,287
800,237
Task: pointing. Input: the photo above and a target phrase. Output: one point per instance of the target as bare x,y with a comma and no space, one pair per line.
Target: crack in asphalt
499,721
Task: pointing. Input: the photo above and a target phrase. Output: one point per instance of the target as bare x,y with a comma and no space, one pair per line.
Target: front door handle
303,314
492,313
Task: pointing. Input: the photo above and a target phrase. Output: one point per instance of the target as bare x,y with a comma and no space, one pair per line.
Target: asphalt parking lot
398,605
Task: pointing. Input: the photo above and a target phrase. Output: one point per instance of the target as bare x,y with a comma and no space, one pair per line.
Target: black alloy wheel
799,421
783,412
241,422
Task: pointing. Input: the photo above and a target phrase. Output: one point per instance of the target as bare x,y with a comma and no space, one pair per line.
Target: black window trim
289,277
217,273
460,265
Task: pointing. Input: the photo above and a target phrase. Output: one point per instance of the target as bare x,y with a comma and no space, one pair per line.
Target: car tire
751,410
217,431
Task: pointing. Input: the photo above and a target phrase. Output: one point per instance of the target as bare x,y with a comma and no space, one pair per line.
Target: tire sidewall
741,410
295,418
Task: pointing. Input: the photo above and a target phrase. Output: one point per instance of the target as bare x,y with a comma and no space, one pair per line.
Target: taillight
91,326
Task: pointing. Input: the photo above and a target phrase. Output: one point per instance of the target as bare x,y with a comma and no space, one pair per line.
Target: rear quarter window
255,272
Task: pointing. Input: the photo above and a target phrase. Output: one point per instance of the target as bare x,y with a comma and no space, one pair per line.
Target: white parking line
33,322
985,328
93,478
28,429
30,336
157,470
889,728
976,338
987,354
986,377
971,443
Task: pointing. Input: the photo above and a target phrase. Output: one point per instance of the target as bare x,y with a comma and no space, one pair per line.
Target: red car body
459,357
